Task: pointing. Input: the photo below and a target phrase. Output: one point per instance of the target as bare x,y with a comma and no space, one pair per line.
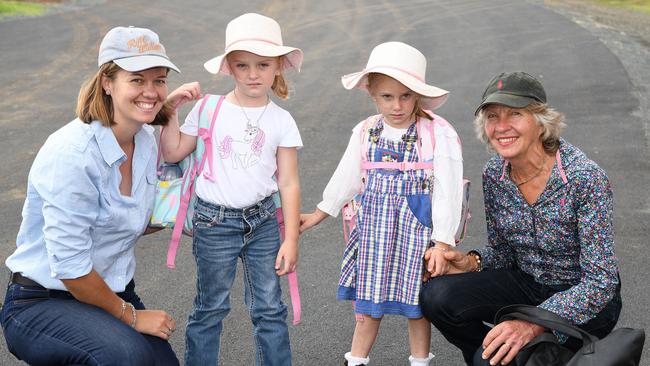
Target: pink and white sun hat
257,34
403,63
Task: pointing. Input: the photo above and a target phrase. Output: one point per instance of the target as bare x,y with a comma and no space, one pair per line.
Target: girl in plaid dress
411,197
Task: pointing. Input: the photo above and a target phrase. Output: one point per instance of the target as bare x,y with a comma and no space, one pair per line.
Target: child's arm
307,221
447,199
176,145
289,185
342,186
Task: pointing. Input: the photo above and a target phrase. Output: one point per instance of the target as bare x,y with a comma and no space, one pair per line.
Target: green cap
513,89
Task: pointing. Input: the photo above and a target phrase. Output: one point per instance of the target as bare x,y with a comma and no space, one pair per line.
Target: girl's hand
437,265
287,258
307,221
183,94
446,262
154,322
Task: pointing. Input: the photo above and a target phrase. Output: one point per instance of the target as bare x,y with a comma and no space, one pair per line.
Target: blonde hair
417,109
93,104
551,121
280,86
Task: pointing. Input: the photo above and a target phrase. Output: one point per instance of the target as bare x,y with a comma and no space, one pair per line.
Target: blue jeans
48,327
221,236
458,305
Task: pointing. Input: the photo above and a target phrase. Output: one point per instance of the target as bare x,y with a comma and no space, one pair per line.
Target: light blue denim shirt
75,219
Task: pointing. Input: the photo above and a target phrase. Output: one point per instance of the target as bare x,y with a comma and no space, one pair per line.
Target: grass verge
642,6
20,8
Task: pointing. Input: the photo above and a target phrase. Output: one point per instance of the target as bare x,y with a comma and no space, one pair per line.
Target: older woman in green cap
549,222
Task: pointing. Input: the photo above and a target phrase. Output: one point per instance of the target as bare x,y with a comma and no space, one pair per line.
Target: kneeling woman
549,215
71,298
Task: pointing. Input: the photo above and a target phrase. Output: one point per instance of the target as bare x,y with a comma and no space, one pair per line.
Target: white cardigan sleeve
447,186
345,183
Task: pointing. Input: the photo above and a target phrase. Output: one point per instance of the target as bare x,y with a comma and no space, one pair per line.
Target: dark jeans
46,327
458,305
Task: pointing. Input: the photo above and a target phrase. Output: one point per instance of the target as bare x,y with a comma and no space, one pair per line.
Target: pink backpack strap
363,137
187,188
295,297
180,217
402,166
207,137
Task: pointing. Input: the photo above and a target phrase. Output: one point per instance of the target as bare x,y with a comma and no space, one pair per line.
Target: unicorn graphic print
244,152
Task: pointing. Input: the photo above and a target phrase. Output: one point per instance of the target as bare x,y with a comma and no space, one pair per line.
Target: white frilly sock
356,361
421,361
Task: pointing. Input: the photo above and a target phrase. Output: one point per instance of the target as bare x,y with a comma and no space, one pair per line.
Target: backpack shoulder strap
204,143
369,123
197,160
366,165
426,141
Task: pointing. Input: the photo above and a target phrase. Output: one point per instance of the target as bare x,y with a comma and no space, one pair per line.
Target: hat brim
509,100
144,62
432,97
293,56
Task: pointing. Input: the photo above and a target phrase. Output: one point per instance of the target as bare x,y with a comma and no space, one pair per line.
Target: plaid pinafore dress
383,260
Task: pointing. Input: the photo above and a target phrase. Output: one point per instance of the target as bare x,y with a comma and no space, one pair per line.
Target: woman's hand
506,339
287,258
307,221
183,94
154,322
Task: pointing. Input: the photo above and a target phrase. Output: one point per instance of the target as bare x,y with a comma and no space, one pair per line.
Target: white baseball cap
133,49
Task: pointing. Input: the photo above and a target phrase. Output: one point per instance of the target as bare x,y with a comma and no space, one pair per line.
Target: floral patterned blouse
565,237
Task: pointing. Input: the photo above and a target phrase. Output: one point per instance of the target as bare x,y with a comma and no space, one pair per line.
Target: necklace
249,125
537,173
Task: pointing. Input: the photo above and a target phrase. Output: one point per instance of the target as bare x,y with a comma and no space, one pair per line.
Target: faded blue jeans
221,237
46,327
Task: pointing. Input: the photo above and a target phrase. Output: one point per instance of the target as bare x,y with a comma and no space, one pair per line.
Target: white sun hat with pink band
257,34
403,63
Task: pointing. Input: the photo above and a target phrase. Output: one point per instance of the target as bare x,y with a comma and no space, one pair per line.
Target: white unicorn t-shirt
243,152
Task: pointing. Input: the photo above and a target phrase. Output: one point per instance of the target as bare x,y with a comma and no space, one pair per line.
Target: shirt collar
108,146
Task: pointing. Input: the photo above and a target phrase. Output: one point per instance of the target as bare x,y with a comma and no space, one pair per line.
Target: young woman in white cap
235,214
71,298
408,204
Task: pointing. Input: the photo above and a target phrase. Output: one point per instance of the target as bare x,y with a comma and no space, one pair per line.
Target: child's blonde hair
280,86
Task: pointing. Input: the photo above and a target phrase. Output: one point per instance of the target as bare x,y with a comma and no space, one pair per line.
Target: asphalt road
44,60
